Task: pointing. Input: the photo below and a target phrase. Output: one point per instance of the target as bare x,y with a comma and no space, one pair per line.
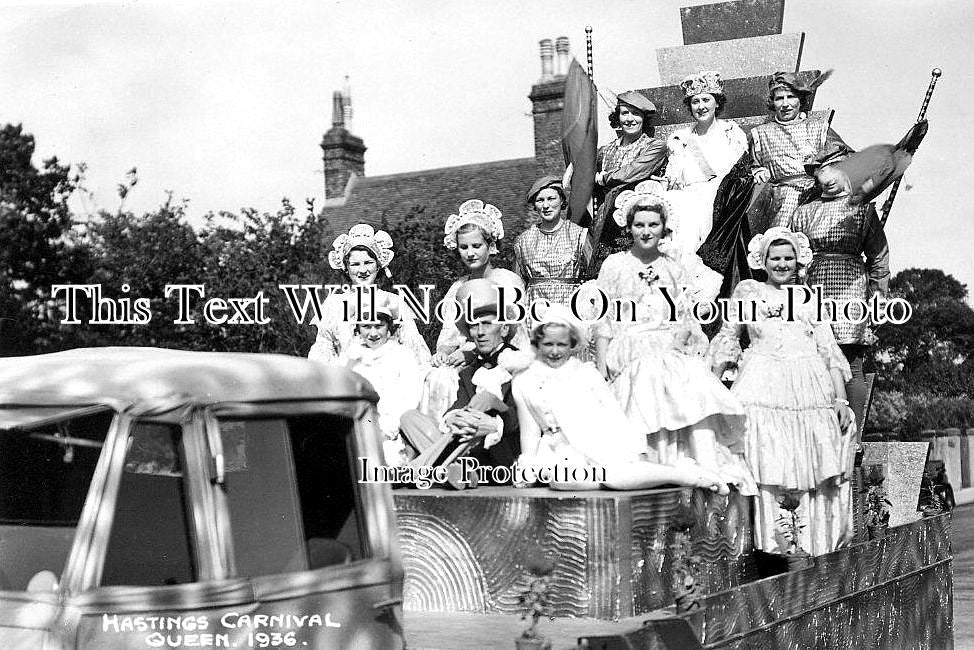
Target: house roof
502,183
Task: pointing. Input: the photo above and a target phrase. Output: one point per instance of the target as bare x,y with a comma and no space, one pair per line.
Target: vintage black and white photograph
460,325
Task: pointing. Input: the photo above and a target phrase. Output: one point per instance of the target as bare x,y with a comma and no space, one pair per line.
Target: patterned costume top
841,234
550,262
782,148
623,166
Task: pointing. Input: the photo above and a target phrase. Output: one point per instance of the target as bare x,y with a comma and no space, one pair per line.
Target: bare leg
703,445
642,474
704,449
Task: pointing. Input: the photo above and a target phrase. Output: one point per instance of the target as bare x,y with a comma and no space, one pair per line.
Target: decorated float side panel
857,597
609,552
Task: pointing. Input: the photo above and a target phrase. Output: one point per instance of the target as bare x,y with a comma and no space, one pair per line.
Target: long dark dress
725,248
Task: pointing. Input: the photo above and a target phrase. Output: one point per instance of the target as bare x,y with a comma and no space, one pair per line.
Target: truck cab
160,498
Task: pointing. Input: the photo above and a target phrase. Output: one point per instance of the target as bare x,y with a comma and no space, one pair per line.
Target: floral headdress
652,195
757,249
364,235
484,216
703,82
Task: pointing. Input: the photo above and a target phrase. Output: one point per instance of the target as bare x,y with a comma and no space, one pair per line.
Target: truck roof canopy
158,379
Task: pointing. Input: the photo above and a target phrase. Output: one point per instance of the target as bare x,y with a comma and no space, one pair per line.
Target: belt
533,281
838,256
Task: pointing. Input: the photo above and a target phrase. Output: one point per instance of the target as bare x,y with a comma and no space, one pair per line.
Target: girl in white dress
360,255
651,350
393,371
792,383
569,417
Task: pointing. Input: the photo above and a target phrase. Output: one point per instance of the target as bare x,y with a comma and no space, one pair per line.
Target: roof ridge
420,172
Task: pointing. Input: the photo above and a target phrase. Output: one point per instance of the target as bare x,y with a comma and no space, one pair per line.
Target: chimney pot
563,48
337,110
547,56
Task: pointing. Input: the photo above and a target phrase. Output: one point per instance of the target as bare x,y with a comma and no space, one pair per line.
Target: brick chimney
547,102
343,154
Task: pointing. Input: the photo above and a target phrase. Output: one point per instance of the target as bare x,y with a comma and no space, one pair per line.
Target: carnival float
684,567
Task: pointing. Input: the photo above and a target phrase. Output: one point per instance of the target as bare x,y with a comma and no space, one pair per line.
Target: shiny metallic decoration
889,593
609,549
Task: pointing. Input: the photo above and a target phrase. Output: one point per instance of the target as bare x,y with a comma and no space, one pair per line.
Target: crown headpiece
703,82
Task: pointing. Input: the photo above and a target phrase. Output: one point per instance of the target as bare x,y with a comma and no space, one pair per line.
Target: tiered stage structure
466,554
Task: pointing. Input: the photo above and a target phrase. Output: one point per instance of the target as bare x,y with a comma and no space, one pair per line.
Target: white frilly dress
656,366
694,170
793,443
336,329
577,415
397,376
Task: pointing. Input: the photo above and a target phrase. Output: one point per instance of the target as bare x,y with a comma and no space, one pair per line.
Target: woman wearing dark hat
789,139
633,157
549,254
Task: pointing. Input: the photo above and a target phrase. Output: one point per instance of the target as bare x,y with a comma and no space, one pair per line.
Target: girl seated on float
473,233
393,371
650,355
568,417
360,255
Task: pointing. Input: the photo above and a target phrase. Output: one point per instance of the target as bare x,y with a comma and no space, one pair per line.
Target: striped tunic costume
783,149
842,235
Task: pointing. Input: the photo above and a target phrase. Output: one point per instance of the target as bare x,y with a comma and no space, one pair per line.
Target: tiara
757,249
702,82
484,216
380,243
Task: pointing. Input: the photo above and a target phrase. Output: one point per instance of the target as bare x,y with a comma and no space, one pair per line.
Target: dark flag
579,137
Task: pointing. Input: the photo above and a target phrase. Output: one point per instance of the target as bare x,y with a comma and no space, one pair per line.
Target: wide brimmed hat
824,158
484,215
757,249
365,236
482,297
636,100
543,183
706,81
561,315
875,168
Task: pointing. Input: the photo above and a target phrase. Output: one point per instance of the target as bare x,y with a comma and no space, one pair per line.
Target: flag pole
588,54
888,205
590,63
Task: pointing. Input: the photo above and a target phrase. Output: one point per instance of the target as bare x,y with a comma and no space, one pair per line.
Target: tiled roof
440,191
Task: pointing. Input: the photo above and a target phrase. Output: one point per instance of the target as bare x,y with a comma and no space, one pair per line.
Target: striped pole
888,205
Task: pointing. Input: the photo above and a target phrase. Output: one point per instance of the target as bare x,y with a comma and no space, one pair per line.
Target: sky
225,103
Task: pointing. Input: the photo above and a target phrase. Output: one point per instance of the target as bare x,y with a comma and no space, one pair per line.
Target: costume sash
696,152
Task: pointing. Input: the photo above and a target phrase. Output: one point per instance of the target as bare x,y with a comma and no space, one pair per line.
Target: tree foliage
34,221
934,351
